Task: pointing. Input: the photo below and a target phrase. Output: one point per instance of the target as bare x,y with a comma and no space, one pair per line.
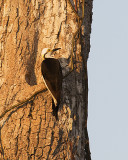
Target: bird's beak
55,49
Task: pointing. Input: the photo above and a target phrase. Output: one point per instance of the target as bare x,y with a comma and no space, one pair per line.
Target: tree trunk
28,129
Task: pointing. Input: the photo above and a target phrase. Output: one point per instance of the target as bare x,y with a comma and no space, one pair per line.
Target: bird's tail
55,109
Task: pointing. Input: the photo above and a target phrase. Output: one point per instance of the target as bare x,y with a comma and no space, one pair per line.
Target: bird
52,75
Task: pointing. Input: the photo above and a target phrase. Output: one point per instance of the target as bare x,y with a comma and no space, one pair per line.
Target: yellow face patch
43,57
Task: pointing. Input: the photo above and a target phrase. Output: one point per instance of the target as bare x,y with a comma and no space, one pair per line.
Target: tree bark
28,129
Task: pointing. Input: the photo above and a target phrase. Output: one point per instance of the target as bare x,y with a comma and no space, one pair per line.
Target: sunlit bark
30,131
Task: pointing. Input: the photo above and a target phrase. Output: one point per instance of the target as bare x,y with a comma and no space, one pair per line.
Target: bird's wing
52,74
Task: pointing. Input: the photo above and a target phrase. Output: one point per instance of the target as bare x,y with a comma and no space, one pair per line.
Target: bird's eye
48,50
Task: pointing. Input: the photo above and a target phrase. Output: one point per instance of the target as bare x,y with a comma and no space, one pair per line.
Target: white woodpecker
52,75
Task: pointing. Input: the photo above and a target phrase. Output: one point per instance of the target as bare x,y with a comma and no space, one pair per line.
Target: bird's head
48,53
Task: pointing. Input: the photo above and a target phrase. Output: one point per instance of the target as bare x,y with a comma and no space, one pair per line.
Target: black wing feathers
52,74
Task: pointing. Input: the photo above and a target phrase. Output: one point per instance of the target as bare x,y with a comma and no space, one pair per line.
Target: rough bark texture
30,131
